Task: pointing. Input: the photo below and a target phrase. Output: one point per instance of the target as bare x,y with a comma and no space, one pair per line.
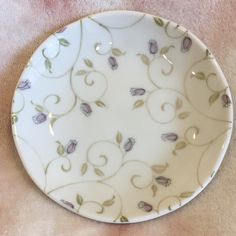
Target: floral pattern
163,181
128,146
86,109
88,155
137,91
145,206
39,118
113,62
153,47
24,84
81,202
71,146
62,42
225,100
171,137
68,204
215,93
186,44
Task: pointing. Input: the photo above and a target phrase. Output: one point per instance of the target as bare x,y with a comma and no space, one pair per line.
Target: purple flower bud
25,84
86,109
129,144
71,146
225,100
137,91
186,44
163,181
152,46
61,30
69,204
113,63
145,206
172,137
39,118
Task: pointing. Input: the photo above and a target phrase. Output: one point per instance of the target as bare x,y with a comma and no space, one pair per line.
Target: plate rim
207,181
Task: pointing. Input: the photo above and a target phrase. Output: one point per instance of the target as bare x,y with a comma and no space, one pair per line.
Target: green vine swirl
185,141
184,94
14,114
102,157
167,198
108,29
90,82
181,35
76,97
102,160
116,193
51,76
98,45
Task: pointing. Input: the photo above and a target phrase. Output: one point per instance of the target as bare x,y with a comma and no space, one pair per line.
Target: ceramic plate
122,116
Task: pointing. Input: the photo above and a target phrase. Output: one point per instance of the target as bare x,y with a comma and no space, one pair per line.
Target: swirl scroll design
96,161
102,154
111,50
14,114
190,139
85,104
172,106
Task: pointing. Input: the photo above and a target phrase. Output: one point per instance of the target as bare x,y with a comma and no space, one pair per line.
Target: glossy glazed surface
142,119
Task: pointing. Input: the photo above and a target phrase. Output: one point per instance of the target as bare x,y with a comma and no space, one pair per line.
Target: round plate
122,116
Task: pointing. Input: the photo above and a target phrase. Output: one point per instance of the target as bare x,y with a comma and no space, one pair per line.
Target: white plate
122,116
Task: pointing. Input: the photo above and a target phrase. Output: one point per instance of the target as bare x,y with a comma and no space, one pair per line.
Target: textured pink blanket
24,210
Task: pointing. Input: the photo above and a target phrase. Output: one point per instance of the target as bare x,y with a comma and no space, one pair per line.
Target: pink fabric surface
24,209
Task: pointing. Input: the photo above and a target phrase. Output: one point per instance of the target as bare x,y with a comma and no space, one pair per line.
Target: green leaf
159,168
39,108
100,103
124,219
186,194
79,199
98,172
88,63
48,65
119,137
174,152
159,21
81,72
64,42
14,119
84,168
214,97
60,148
183,115
117,52
109,202
138,104
165,50
144,59
154,190
52,121
180,145
199,75
178,103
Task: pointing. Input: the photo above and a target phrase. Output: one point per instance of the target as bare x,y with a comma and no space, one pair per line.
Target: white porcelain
122,117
